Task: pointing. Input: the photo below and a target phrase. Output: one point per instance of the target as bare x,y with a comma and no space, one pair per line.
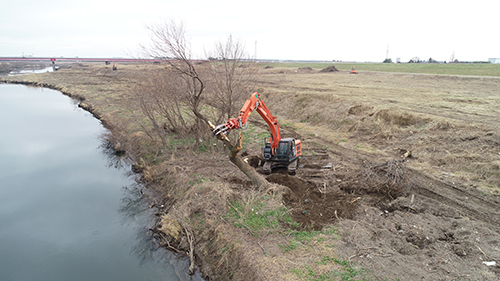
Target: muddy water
67,209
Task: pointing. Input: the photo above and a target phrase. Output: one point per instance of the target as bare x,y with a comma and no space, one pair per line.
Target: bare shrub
185,86
162,101
182,98
390,178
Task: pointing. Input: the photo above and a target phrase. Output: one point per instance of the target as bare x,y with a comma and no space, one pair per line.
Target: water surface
65,212
32,71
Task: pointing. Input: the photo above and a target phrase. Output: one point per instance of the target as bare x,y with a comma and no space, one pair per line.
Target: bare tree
185,86
232,77
169,43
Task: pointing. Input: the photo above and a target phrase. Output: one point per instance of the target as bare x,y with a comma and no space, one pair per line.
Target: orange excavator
278,152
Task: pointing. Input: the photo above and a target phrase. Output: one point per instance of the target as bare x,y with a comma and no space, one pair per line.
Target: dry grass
476,69
448,123
441,119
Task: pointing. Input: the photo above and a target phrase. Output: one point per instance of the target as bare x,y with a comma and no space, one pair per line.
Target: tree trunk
250,172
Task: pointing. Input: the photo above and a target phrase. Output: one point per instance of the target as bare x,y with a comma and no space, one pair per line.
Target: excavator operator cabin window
283,148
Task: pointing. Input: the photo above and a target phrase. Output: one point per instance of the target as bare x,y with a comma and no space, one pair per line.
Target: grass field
474,69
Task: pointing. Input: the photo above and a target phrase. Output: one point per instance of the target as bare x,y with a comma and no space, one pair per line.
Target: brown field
400,177
438,217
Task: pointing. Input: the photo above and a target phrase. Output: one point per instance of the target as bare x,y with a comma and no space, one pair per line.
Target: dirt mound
312,206
330,68
399,118
305,68
359,109
320,195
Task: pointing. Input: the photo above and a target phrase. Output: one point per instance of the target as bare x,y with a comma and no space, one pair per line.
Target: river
68,209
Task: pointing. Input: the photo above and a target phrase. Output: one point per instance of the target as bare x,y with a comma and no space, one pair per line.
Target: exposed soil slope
416,179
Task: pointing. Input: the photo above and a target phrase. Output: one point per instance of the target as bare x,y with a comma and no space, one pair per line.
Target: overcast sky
356,30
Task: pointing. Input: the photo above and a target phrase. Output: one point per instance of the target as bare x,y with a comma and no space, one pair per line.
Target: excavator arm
254,103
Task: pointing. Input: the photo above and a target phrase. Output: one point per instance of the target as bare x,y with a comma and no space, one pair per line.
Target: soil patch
311,206
330,68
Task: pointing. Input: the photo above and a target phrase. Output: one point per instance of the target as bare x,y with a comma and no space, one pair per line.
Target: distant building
494,60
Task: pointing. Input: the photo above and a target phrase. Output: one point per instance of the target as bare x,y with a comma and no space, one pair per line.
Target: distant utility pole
255,51
387,53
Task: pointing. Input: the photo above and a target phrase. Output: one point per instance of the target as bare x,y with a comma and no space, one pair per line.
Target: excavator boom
254,103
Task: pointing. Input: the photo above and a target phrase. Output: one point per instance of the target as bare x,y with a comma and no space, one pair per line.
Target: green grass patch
258,216
196,179
251,136
173,142
291,246
289,125
348,271
303,237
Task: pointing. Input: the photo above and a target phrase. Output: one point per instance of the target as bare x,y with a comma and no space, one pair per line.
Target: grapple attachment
221,129
233,123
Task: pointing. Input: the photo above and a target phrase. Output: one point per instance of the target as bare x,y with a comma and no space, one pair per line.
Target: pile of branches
390,178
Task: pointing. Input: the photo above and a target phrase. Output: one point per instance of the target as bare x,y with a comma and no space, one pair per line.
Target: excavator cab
285,150
285,155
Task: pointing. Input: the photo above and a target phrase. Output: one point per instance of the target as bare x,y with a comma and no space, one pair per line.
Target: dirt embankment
417,155
399,178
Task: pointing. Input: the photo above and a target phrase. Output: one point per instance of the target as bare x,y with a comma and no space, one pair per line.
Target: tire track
476,206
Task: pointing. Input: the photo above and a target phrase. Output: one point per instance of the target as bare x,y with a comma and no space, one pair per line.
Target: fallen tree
233,150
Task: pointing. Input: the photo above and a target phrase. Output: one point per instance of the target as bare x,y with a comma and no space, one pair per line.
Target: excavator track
292,167
267,167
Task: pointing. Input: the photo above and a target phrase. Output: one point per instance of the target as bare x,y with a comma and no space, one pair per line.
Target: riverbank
221,250
388,160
